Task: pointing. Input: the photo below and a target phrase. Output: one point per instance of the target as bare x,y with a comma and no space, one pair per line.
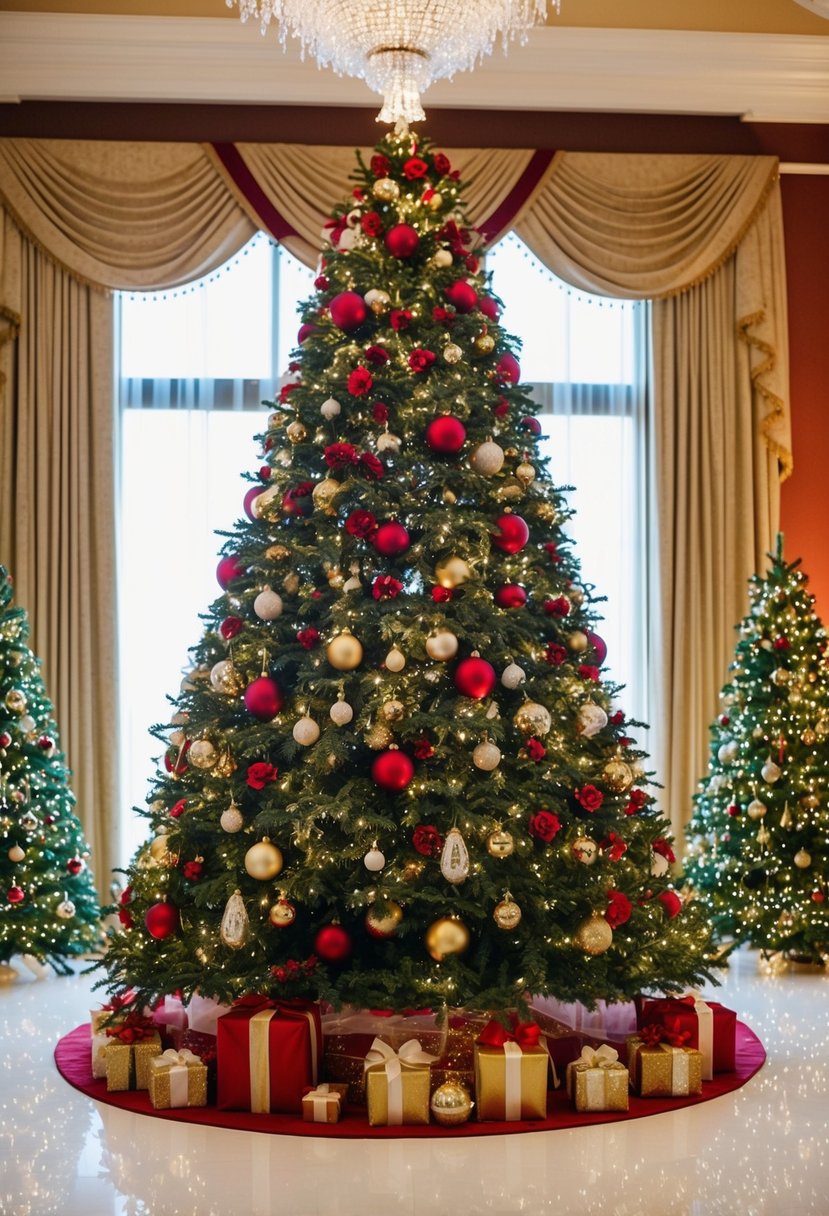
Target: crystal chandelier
398,47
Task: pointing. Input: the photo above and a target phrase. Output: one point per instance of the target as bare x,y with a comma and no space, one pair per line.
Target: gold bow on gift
393,1063
174,1059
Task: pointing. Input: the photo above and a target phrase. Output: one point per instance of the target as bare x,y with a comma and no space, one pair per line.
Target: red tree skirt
73,1058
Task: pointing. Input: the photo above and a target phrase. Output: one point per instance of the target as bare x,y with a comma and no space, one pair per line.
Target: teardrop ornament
454,860
235,923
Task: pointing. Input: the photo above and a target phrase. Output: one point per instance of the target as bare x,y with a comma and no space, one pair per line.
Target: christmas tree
48,907
760,833
396,776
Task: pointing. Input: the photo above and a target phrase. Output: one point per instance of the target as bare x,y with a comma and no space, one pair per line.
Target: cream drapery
701,236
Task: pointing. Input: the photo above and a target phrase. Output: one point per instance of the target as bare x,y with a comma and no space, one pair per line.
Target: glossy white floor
761,1151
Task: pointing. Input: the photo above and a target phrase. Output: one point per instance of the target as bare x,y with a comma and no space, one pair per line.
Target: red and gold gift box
660,1070
267,1054
511,1073
128,1059
324,1104
597,1081
177,1078
397,1084
706,1025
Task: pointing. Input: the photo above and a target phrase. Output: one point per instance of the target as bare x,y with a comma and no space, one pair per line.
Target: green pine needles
396,776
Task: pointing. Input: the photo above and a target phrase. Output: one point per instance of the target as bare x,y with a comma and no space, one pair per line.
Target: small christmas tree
760,832
396,776
48,907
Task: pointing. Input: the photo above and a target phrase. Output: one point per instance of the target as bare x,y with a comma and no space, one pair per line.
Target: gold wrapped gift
397,1084
128,1064
511,1081
597,1081
323,1104
663,1071
177,1078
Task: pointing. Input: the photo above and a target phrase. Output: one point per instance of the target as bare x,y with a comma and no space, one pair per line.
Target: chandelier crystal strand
399,47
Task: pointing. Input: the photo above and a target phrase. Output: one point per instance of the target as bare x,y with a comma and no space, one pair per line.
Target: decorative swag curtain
700,236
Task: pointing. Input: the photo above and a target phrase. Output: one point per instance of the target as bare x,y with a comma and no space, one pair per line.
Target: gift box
349,1034
707,1025
661,1070
128,1060
397,1084
598,1081
177,1078
323,1104
267,1054
511,1073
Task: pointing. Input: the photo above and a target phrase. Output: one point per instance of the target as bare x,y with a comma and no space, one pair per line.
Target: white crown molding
86,57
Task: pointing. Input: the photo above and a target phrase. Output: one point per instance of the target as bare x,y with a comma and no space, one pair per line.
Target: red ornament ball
228,569
461,295
15,895
230,626
512,534
305,331
5,739
511,596
508,369
332,944
599,647
75,864
348,311
818,897
489,308
392,770
391,539
671,903
161,920
446,434
264,699
531,425
247,501
475,678
402,240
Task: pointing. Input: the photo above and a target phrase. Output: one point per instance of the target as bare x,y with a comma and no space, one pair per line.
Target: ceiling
759,60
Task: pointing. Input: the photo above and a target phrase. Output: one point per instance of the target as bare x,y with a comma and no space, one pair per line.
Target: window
195,366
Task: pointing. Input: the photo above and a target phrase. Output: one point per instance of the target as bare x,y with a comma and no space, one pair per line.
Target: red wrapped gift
705,1025
267,1054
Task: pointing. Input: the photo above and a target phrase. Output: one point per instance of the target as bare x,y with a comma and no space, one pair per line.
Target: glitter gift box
323,1104
267,1054
177,1078
597,1081
661,1070
511,1073
397,1084
128,1063
707,1025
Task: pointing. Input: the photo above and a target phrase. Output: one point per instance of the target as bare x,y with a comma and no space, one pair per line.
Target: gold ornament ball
576,594
533,719
277,553
264,504
378,736
617,776
507,914
451,1104
16,853
395,660
344,652
296,432
202,754
449,497
442,646
324,491
160,849
282,914
436,202
393,711
525,473
486,756
578,641
225,765
445,936
452,353
452,572
385,924
263,861
546,512
802,859
594,935
808,737
386,189
225,678
500,843
810,801
15,701
484,344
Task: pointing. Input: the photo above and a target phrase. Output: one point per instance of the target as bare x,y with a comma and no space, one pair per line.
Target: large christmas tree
760,833
396,776
48,907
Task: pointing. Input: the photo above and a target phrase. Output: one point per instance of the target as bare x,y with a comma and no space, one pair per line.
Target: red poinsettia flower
361,524
614,846
555,654
380,165
193,870
441,163
380,412
178,808
385,587
360,381
618,718
441,594
308,638
400,319
371,467
415,168
422,749
260,774
340,455
371,224
671,902
420,360
536,750
544,825
636,800
551,548
558,607
589,797
427,840
230,626
588,672
619,909
377,355
442,315
286,390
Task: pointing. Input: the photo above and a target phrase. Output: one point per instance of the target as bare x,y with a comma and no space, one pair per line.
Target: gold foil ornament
235,923
263,860
454,859
344,652
447,935
500,843
451,1104
594,935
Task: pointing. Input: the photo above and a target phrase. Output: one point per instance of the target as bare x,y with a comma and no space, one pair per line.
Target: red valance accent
247,185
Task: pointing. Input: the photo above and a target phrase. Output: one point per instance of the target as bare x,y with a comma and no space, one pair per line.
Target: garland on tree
396,776
759,854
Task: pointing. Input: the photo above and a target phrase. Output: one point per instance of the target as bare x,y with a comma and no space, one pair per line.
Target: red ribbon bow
670,1032
134,1028
525,1034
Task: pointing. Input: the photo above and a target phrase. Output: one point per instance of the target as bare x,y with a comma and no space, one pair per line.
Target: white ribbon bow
175,1059
600,1057
319,1098
177,1062
393,1061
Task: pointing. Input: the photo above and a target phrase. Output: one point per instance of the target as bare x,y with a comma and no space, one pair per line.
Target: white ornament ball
488,458
486,756
352,584
513,676
442,646
442,258
349,237
16,854
306,731
395,660
389,443
202,754
231,819
756,809
341,713
727,752
591,719
267,605
585,850
802,859
27,724
378,301
659,865
330,408
374,860
770,772
65,909
177,737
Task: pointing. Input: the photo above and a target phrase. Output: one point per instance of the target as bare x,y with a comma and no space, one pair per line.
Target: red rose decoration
192,870
358,194
614,847
178,808
559,607
555,654
618,718
380,412
618,909
377,356
125,897
441,595
421,360
671,902
427,840
125,918
441,163
636,800
230,626
536,750
385,587
380,165
340,455
371,224
544,825
371,467
308,638
663,848
260,774
400,319
588,672
360,382
361,524
415,168
286,390
442,315
422,749
589,797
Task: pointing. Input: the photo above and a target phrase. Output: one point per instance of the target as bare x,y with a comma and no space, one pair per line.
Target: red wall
805,496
